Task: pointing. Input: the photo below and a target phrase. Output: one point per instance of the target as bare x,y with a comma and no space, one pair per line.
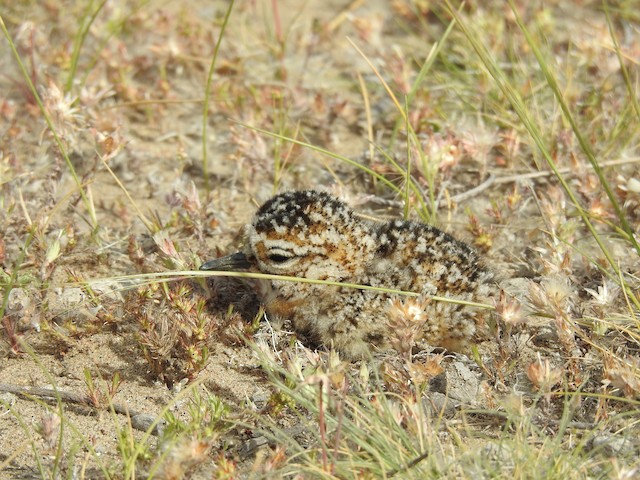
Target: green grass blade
623,68
85,25
134,280
207,95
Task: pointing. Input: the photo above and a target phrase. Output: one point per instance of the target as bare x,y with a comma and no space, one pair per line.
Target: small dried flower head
64,113
589,184
543,375
510,310
600,209
167,50
92,95
30,36
406,319
183,457
369,28
556,292
410,311
165,244
631,185
168,248
275,459
605,294
49,429
623,375
478,141
331,374
444,151
422,372
191,202
109,143
553,206
408,314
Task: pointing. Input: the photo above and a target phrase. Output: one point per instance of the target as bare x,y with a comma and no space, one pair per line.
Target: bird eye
276,258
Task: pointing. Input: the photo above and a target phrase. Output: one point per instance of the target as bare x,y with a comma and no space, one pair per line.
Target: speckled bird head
309,234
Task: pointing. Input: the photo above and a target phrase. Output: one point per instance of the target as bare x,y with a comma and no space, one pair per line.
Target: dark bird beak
230,263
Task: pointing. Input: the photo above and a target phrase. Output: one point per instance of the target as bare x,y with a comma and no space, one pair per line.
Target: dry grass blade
129,281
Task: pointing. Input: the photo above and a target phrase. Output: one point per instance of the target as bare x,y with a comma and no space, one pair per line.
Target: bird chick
311,234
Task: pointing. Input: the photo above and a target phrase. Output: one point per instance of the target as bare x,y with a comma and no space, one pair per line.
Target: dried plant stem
343,15
322,426
493,180
139,421
179,275
461,197
147,223
367,111
564,171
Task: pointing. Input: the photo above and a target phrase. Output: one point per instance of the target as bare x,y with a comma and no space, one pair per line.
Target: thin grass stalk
27,430
322,427
280,160
381,435
411,134
414,188
160,418
85,25
602,396
114,30
407,180
436,48
164,277
338,432
15,270
367,111
147,223
328,153
623,68
428,63
621,135
60,410
18,449
360,424
374,432
346,160
207,95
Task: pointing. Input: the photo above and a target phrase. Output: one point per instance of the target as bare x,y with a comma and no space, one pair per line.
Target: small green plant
185,443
